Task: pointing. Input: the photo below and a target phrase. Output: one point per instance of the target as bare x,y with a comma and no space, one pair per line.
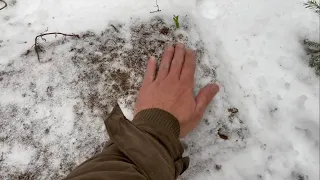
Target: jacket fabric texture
148,148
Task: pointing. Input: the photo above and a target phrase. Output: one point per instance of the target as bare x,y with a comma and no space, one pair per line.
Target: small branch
158,10
1,159
114,28
5,5
39,49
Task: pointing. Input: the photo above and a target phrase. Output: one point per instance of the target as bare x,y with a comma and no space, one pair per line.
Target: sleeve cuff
158,119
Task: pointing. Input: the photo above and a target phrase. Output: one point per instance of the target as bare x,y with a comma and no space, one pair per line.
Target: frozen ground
263,125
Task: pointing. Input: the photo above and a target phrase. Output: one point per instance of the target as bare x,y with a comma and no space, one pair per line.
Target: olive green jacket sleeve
147,148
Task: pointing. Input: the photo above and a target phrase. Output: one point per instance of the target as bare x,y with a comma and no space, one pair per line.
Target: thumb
204,97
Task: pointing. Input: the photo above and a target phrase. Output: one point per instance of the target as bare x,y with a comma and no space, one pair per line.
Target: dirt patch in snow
58,105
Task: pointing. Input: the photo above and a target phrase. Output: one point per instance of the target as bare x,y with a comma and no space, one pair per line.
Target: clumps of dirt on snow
299,176
1,41
113,68
233,112
232,126
223,134
218,167
53,110
227,134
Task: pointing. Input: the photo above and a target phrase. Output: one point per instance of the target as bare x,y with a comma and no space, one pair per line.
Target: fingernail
190,51
152,58
214,87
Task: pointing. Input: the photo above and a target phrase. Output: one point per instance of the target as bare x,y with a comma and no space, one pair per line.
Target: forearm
148,148
107,165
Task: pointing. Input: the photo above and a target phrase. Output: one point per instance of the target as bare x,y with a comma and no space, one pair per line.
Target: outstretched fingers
151,71
177,62
189,67
165,63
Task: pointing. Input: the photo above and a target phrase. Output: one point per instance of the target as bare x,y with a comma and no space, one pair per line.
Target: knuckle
164,66
177,61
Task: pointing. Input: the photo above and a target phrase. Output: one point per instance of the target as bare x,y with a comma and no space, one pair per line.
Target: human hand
171,89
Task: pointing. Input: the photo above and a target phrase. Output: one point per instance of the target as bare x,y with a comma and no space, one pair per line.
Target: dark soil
218,167
222,134
109,67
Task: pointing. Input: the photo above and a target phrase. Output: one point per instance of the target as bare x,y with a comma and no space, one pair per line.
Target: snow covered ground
263,125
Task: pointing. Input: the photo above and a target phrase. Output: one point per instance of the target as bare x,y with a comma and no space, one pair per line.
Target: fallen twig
5,5
114,28
158,10
38,48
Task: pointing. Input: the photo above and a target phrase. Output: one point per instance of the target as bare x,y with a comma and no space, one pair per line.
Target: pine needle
313,47
313,5
315,63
